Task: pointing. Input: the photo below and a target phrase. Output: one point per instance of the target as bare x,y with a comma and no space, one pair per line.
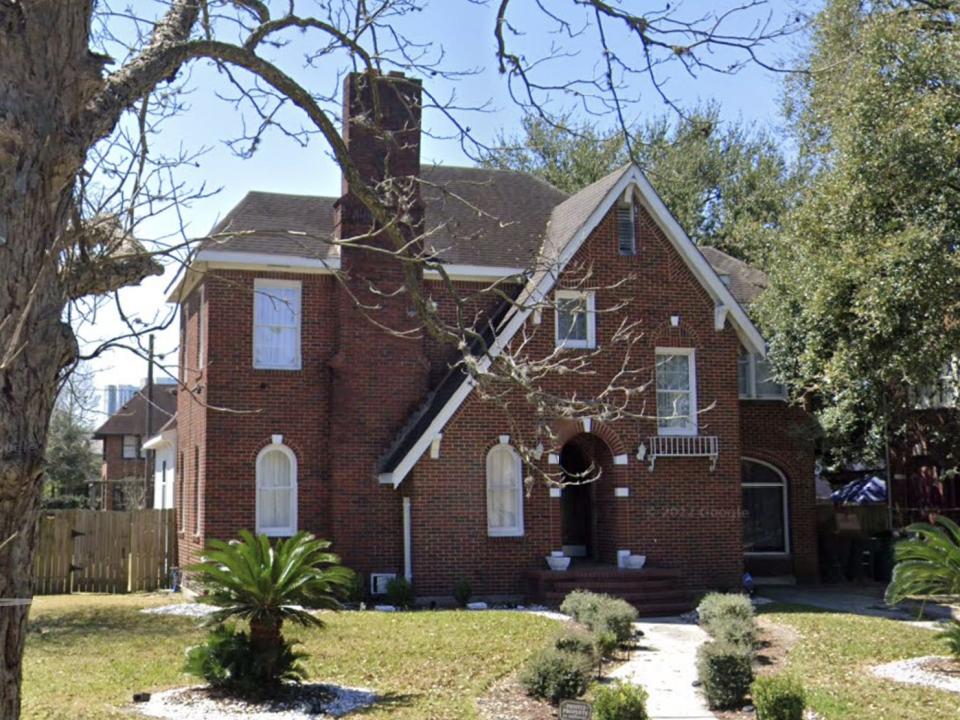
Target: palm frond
927,563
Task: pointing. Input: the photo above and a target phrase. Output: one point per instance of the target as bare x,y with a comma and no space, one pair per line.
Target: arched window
276,491
765,519
504,492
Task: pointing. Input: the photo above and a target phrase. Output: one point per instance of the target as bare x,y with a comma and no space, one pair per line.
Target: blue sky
465,31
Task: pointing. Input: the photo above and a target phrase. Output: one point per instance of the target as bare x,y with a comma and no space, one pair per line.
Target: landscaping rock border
914,672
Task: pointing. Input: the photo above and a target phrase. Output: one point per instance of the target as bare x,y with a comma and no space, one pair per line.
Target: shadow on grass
69,627
387,700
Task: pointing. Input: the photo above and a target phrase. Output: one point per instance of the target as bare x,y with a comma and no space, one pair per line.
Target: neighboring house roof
131,418
571,222
474,216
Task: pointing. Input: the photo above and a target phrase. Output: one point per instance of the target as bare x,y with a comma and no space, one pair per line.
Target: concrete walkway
665,665
866,600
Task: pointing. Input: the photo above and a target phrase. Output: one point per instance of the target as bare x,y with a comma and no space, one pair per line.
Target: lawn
835,652
86,655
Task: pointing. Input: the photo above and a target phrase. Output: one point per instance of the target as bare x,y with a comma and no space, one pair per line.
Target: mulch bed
506,700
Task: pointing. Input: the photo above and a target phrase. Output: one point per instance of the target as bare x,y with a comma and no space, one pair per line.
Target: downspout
407,541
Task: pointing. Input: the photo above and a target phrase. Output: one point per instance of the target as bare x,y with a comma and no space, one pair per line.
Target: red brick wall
680,515
782,435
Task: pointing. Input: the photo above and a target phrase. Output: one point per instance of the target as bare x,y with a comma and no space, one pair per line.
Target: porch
653,591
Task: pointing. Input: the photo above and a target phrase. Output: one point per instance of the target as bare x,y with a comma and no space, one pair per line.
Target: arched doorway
584,460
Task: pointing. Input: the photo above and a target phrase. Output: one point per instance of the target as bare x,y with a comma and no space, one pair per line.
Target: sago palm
927,563
268,583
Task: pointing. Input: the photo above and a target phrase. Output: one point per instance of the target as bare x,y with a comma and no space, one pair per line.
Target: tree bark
48,75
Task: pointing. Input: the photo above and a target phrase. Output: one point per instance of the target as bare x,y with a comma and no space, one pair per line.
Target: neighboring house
300,414
124,480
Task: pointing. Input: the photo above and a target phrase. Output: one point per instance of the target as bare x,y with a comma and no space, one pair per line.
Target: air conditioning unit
379,582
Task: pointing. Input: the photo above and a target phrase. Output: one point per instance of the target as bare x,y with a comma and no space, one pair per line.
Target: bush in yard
726,673
556,675
716,606
579,642
778,697
227,660
620,701
462,592
266,585
601,613
951,635
734,629
400,593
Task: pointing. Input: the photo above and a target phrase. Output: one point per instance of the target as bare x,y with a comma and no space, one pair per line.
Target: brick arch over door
610,437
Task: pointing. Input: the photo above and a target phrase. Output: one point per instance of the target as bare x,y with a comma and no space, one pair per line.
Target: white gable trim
541,285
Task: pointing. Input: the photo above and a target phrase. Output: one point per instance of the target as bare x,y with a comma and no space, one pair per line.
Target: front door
576,502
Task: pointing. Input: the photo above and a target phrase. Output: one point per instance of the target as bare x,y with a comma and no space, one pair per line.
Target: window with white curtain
504,492
276,491
276,324
576,319
676,392
131,447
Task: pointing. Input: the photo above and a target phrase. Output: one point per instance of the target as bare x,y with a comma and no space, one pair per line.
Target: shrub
951,635
400,593
734,629
462,592
928,562
715,606
778,697
726,672
620,701
228,660
601,613
579,642
556,675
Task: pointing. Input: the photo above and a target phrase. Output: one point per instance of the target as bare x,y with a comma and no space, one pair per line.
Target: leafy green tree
865,288
728,184
70,463
266,585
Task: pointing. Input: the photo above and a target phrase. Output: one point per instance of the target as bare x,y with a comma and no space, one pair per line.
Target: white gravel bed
182,609
308,701
912,672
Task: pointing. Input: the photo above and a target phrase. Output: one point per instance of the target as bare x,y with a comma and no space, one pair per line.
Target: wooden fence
109,551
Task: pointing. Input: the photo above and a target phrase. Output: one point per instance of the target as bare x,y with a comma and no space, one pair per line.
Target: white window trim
136,448
263,285
692,371
752,393
516,530
291,456
201,329
591,341
786,508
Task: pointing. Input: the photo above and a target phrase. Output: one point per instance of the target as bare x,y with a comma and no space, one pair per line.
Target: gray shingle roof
474,216
131,419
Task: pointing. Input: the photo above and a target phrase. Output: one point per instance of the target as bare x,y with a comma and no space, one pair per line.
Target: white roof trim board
541,283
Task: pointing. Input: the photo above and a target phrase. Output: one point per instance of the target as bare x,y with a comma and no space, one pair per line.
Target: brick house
126,454
381,443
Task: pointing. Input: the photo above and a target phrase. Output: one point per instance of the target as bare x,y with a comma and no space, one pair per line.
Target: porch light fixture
675,320
641,452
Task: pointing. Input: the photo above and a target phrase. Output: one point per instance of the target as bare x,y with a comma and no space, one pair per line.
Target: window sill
511,534
771,554
277,369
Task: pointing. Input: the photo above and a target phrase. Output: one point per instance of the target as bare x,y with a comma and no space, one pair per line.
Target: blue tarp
862,492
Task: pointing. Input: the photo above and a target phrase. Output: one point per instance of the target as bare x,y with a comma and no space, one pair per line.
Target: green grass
86,655
833,657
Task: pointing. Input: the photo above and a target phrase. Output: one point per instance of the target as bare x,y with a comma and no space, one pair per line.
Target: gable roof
131,418
479,217
745,281
571,223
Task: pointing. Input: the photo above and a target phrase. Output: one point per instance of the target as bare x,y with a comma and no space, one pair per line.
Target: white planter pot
635,562
558,564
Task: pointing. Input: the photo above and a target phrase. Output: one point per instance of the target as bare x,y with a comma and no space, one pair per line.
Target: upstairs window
131,447
576,319
756,378
626,230
276,324
276,491
504,492
676,392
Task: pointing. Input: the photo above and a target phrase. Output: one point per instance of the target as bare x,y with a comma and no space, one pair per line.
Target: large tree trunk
47,75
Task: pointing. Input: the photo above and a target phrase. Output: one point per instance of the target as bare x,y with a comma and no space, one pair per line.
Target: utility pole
148,430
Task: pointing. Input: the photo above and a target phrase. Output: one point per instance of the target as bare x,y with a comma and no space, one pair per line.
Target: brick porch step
653,591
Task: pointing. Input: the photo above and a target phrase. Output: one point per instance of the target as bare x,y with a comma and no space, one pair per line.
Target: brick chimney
378,379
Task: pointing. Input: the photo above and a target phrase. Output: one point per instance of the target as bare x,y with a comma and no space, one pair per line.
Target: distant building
116,396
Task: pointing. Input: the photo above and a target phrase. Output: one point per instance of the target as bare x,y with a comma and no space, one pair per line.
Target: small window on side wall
276,324
504,492
576,319
131,447
276,491
676,391
626,230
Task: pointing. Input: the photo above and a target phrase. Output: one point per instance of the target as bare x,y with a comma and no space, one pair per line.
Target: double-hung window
276,491
676,391
756,378
276,324
626,230
131,447
504,492
576,319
